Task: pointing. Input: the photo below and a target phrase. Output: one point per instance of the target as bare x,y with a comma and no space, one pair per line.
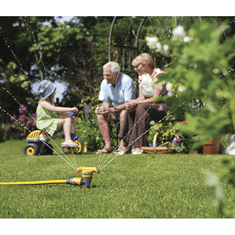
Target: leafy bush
88,131
87,125
168,133
19,127
1,133
202,63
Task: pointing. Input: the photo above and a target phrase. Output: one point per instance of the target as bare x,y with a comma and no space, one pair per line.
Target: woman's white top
147,82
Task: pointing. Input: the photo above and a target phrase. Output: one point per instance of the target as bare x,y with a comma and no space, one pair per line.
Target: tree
16,63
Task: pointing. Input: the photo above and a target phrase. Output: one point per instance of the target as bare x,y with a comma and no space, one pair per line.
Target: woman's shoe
122,150
105,150
137,152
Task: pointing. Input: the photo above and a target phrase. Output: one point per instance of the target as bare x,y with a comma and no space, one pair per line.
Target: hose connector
74,181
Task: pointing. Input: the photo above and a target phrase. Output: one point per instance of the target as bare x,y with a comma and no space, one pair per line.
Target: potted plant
211,147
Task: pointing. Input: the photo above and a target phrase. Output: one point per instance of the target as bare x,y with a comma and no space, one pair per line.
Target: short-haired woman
143,109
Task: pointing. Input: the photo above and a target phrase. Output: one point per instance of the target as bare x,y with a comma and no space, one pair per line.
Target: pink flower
13,117
21,117
28,122
22,109
160,107
176,139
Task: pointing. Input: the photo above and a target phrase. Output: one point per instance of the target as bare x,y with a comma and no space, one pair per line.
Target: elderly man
118,88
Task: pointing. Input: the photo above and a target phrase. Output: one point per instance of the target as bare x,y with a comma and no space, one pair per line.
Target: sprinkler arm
88,170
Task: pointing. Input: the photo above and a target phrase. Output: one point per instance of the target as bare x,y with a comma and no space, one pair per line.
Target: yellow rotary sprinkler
87,174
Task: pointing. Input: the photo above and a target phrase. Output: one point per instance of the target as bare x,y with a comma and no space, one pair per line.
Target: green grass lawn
131,186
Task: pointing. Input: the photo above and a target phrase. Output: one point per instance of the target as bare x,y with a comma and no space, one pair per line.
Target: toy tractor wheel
31,150
78,150
47,149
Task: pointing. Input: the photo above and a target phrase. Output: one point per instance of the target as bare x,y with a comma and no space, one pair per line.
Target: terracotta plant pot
211,147
193,152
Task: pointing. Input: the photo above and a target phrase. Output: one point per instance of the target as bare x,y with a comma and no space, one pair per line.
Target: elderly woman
143,109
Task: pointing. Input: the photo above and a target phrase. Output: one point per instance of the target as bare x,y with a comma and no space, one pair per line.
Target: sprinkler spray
87,173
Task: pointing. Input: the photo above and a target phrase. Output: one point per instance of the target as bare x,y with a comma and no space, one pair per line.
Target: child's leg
66,123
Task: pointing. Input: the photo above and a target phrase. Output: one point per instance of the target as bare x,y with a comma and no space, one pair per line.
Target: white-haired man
117,88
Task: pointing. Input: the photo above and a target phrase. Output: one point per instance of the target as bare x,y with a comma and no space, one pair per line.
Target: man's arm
118,108
104,108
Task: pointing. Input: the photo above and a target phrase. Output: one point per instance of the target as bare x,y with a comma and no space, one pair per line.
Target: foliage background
35,48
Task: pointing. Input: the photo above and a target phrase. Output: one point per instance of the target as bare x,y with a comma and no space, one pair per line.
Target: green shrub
20,126
1,133
202,63
87,125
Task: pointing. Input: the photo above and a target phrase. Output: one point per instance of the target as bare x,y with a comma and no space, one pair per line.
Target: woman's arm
130,105
58,109
142,100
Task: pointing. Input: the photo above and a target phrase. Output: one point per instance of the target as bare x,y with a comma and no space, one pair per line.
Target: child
48,118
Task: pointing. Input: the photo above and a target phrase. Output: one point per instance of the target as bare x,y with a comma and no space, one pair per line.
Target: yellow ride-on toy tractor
37,144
